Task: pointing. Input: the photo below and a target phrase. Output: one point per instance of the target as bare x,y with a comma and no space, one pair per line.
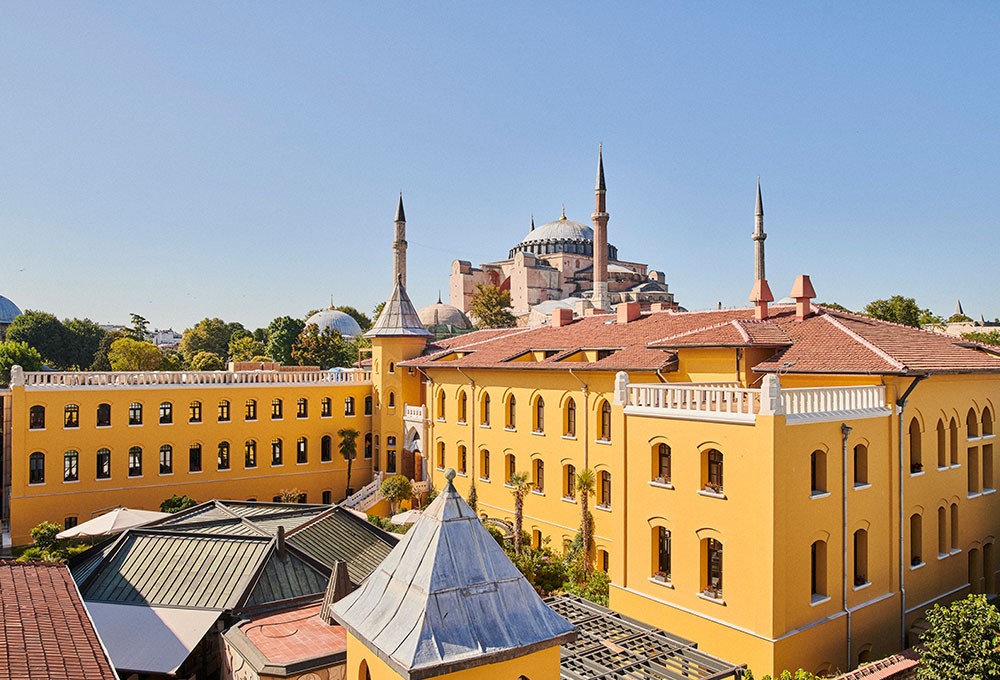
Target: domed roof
441,314
335,320
561,230
8,310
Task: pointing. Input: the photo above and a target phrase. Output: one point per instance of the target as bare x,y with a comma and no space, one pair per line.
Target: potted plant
661,576
662,480
713,591
713,487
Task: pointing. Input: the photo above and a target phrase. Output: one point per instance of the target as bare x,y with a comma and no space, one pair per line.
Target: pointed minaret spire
439,297
761,293
600,218
399,245
532,221
958,308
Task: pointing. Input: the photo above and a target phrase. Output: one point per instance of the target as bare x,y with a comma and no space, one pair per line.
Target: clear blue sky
242,160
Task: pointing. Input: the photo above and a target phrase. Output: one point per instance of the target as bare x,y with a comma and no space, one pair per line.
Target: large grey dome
441,314
562,236
563,230
8,310
331,319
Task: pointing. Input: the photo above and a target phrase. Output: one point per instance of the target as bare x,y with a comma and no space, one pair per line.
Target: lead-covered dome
8,310
562,236
332,319
441,314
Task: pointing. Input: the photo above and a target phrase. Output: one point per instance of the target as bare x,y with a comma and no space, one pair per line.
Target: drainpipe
472,425
901,404
586,420
429,401
845,431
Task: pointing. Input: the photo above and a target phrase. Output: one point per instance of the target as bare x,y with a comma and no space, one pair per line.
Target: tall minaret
399,245
600,219
761,293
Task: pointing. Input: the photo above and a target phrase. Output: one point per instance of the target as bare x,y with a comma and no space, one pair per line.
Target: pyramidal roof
398,317
447,598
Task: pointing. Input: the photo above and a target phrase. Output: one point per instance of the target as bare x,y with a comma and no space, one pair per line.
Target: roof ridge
738,325
836,323
693,331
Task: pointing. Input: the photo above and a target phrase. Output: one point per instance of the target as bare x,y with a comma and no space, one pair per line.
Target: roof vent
760,296
628,312
803,292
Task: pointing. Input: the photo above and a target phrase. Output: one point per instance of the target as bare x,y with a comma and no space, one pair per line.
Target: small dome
441,314
8,310
332,319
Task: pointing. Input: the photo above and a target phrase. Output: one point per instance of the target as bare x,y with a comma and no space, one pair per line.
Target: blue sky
186,159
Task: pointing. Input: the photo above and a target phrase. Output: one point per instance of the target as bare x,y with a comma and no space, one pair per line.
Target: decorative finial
449,474
331,300
563,212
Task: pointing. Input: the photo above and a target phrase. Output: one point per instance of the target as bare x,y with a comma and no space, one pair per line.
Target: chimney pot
628,312
803,292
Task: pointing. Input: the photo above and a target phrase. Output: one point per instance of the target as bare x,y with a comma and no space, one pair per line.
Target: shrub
177,503
44,535
396,489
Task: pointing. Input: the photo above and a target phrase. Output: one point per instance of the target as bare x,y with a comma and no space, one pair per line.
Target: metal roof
447,598
285,578
611,645
339,535
398,317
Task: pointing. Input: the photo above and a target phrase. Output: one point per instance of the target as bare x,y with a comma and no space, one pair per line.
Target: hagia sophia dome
332,319
442,314
562,236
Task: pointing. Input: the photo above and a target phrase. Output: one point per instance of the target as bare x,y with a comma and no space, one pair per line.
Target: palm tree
348,449
585,483
521,486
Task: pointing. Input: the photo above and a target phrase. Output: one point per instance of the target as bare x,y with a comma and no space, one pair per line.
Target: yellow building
79,443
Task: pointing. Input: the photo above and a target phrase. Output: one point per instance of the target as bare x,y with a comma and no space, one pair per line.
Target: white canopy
407,517
114,522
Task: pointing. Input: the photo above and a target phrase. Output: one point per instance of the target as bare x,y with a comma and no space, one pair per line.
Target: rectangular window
71,522
223,457
714,555
135,413
194,458
166,413
570,490
605,500
36,418
663,554
195,412
301,451
276,452
104,415
71,416
368,406
71,466
250,455
103,464
251,410
326,449
224,411
276,409
327,498
484,471
326,407
36,468
166,460
349,406
302,408
135,462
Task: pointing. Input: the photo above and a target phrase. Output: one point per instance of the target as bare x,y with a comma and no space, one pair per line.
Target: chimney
337,587
562,317
803,292
656,307
760,296
281,542
628,312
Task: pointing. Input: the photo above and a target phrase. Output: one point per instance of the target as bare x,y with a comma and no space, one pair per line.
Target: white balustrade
413,414
191,378
816,401
367,496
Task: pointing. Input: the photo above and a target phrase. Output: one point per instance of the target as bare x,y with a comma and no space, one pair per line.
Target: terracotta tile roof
828,341
897,665
294,635
46,631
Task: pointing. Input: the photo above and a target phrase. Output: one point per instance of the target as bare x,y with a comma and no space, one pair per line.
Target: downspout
901,404
429,401
586,420
845,431
472,424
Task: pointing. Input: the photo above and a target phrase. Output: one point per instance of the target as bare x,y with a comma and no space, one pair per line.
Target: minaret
761,293
600,219
399,245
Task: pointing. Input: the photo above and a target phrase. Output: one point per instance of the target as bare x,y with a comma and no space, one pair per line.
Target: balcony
106,379
741,405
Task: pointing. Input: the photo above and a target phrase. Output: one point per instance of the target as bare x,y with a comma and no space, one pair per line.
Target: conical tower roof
447,598
398,317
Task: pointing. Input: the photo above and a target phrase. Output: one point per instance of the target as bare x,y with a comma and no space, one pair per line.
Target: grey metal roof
335,320
339,535
285,578
448,598
398,317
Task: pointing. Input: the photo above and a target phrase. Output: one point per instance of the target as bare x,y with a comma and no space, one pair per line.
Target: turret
600,221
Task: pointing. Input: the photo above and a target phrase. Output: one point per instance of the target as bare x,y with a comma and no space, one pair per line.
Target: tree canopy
84,338
208,335
44,332
127,354
14,353
282,333
963,641
207,361
245,348
491,307
897,309
324,349
985,337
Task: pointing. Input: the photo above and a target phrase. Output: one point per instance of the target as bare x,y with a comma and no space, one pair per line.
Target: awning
150,639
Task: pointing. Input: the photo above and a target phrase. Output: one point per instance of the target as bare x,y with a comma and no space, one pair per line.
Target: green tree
177,503
396,489
172,360
897,309
245,348
281,335
139,329
963,641
520,486
585,485
833,305
44,332
377,310
84,338
207,361
929,318
208,335
290,495
491,307
959,318
13,353
324,349
127,354
784,675
473,500
101,362
358,316
44,535
348,449
985,337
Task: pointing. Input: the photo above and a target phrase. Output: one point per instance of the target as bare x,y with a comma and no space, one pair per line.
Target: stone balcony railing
104,379
734,404
413,414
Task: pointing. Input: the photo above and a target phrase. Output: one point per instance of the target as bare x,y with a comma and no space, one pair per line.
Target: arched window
605,430
484,464
71,466
972,469
301,451
135,462
462,459
817,472
712,551
251,410
972,424
276,409
36,417
392,367
818,561
942,531
942,445
954,526
463,407
511,467
661,538
860,465
440,456
349,406
953,442
988,482
661,464
713,470
539,424
135,413
987,422
916,540
250,454
223,410
103,463
442,399
368,405
194,458
569,481
326,449
326,407
327,497
390,453
166,412
302,408
860,557
484,416
71,416
104,415
368,445
36,468
511,423
392,400
916,455
539,473
166,459
604,489
223,457
277,452
569,426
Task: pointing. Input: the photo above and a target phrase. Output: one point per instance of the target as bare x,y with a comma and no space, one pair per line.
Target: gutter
901,404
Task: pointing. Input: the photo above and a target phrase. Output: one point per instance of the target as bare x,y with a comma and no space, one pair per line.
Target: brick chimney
628,312
562,317
803,292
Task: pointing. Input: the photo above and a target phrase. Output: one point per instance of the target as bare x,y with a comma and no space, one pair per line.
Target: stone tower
600,220
761,295
399,245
